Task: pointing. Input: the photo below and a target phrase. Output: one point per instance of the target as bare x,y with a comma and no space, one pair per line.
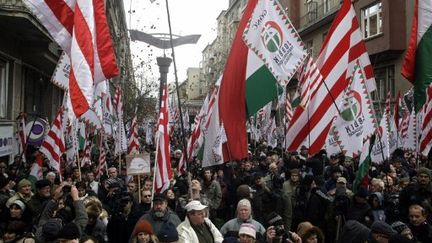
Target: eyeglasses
146,195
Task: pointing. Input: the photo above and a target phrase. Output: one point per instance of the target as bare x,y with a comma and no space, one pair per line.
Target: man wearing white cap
196,228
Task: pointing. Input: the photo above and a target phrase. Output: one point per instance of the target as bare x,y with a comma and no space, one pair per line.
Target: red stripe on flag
316,117
84,38
78,100
104,44
63,13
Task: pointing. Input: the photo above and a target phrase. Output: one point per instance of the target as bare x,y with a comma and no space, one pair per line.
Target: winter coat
233,226
157,223
187,233
213,192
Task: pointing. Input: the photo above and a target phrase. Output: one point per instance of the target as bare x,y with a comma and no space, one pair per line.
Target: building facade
28,57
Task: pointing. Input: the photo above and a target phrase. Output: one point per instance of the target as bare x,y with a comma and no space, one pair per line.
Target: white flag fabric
214,135
356,123
274,39
380,150
162,172
411,139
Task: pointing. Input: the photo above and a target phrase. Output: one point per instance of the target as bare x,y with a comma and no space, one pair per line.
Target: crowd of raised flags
330,109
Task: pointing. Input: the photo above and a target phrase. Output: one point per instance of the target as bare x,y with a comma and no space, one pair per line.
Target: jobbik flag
274,39
343,47
381,150
356,121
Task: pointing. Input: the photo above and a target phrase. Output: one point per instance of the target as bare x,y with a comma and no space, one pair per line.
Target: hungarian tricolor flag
247,86
364,164
417,67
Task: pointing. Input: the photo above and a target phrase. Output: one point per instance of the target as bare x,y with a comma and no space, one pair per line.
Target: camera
280,231
66,189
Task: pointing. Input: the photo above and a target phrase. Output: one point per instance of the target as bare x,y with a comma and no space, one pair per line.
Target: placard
138,164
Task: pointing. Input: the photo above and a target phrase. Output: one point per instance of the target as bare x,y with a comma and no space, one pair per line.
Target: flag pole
177,86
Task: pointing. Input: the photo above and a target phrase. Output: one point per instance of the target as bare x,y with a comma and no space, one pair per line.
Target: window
385,81
3,88
372,20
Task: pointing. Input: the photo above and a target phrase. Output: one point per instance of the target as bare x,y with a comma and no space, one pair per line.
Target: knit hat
399,226
51,229
247,229
22,183
19,203
159,197
168,233
425,171
274,219
143,226
42,183
382,227
244,203
69,232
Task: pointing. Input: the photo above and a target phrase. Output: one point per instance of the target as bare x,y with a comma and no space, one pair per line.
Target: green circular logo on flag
272,36
353,106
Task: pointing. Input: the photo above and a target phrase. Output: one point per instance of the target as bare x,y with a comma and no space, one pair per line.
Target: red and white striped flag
288,110
309,80
342,48
133,147
86,153
22,134
53,145
102,160
163,173
80,28
120,137
426,132
404,124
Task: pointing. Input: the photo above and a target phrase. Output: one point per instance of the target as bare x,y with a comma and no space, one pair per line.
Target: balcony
316,12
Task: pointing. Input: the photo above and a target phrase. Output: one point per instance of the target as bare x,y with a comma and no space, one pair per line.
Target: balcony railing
12,5
317,11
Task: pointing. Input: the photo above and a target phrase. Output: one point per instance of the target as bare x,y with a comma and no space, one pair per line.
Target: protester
143,233
196,228
160,214
244,215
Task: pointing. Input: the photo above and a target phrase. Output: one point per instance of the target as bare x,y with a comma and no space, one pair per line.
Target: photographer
123,219
276,232
66,207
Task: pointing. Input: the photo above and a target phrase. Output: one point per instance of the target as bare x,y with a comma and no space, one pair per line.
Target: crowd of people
272,196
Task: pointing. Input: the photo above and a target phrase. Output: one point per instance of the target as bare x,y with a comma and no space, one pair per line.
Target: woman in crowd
143,233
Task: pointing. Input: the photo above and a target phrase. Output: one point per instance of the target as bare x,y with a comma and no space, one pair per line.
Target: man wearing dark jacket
38,201
160,214
419,226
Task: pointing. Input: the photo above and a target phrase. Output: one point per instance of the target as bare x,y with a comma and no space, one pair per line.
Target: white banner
274,39
6,140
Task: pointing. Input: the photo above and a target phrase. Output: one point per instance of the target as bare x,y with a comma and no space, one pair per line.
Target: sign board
6,140
138,164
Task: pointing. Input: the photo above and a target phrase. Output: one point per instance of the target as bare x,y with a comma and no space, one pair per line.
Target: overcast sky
187,17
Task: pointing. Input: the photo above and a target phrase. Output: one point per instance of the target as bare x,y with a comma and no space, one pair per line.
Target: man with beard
160,214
